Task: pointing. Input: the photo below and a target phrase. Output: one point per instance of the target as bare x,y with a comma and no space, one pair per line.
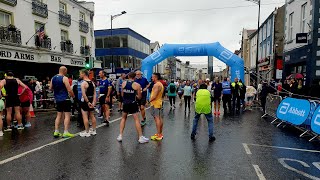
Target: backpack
172,89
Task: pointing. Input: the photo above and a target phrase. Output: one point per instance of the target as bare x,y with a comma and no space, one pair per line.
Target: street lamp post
258,2
112,18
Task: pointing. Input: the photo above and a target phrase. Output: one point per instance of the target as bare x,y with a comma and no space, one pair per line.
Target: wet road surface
247,147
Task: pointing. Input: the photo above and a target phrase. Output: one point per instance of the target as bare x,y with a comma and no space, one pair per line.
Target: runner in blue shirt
105,99
142,102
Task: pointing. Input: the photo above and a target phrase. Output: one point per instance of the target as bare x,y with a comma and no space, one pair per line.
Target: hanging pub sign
301,38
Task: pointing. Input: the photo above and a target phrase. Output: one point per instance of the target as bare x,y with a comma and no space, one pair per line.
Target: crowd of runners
132,91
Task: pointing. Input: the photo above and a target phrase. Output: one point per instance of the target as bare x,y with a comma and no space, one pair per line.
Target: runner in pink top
26,100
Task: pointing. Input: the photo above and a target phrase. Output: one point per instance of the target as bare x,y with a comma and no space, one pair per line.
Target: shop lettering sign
16,55
76,62
55,59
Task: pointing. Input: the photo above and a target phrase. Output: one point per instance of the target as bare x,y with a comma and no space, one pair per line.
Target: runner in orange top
156,105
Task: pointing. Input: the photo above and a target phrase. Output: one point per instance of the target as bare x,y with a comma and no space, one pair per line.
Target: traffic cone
31,111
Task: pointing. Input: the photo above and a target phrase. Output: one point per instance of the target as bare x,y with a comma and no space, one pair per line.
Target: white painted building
298,19
67,39
178,69
161,67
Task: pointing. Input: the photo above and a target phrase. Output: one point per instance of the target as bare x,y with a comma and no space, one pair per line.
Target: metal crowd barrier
272,103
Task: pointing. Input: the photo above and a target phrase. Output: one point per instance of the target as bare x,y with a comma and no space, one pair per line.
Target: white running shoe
119,138
93,132
84,134
1,133
143,140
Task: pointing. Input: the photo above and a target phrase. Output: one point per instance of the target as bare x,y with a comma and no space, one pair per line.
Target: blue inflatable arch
212,49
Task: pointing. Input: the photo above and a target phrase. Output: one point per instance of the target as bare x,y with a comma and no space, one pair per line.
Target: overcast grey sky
185,21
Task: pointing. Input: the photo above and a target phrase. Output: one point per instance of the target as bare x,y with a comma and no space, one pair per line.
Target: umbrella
296,76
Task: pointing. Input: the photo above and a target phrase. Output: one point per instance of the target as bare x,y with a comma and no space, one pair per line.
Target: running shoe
27,125
85,134
143,123
218,113
93,132
57,134
212,139
215,113
1,133
67,135
8,129
20,127
157,137
119,138
143,140
106,122
100,117
193,137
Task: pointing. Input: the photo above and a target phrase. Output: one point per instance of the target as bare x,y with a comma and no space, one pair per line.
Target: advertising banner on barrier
295,111
315,122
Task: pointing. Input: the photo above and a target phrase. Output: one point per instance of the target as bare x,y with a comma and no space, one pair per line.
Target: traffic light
88,63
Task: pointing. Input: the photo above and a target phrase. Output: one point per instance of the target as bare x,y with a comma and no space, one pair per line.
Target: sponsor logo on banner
315,122
295,111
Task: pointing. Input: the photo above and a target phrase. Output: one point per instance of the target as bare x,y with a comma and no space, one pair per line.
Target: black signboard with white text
302,38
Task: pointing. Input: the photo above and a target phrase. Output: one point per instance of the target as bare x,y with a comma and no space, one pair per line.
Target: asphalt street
247,147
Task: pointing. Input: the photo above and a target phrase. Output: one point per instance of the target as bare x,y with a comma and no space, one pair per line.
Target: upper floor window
82,16
5,19
63,7
290,33
83,41
38,25
303,24
64,35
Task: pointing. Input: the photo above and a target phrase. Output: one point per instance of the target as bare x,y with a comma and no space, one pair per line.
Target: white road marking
246,148
317,165
259,172
51,144
284,164
287,148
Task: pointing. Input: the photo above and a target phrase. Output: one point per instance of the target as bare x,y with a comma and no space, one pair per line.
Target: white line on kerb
259,172
246,148
287,148
51,144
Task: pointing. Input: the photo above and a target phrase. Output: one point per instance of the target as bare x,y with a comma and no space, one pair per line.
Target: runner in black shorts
105,100
217,93
143,82
62,89
130,90
88,101
11,85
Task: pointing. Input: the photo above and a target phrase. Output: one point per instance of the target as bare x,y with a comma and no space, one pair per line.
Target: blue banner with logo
295,111
315,122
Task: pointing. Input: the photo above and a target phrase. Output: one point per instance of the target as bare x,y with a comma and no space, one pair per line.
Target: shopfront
298,61
40,64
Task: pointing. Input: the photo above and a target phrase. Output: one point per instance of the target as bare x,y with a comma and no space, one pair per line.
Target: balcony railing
85,50
64,18
43,43
66,47
10,35
83,26
9,2
39,8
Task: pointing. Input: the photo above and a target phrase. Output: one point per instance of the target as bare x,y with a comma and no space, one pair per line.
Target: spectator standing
119,90
217,93
236,87
172,93
226,96
187,92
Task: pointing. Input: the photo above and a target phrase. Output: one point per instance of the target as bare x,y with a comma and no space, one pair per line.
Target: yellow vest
157,103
